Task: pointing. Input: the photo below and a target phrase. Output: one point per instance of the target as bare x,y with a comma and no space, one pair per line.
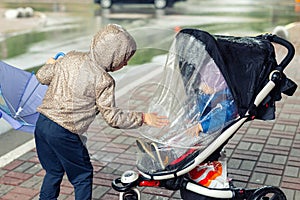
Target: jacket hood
112,46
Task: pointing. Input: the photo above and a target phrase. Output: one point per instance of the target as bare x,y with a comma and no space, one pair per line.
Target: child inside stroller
212,85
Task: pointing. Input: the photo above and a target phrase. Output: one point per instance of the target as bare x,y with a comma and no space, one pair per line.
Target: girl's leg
75,160
54,171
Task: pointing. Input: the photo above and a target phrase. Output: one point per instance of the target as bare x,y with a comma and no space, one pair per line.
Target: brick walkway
260,153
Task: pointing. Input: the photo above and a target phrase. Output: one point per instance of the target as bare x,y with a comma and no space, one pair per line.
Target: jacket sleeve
215,119
45,74
115,117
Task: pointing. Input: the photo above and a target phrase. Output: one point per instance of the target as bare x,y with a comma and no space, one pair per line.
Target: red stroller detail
212,85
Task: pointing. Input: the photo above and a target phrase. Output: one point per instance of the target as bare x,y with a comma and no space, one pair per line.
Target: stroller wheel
131,195
268,193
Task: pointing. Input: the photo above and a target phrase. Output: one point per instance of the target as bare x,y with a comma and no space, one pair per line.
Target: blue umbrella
20,95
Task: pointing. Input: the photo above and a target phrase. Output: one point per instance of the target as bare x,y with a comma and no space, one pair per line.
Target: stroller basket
244,67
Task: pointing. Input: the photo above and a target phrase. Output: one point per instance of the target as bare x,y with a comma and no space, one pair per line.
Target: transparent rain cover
193,94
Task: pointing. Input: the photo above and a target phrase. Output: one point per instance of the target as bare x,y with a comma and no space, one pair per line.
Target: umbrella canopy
20,94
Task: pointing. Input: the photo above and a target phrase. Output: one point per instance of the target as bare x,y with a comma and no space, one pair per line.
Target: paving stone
27,156
254,185
293,163
237,137
66,190
291,128
279,159
112,150
258,178
238,177
16,196
273,180
36,197
263,132
295,152
110,197
13,165
279,134
247,165
34,182
146,196
124,161
288,185
255,139
160,198
99,191
234,163
131,150
23,167
5,189
102,182
276,151
158,191
297,194
279,127
66,197
269,170
256,147
130,141
244,145
286,142
34,169
290,194
291,171
110,168
176,195
252,131
2,172
270,165
239,184
244,156
273,141
25,191
126,167
119,139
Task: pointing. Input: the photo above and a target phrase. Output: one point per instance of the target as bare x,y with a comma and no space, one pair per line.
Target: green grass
140,57
145,55
34,69
19,44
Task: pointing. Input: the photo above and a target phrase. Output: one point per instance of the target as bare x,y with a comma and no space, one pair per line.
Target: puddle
61,22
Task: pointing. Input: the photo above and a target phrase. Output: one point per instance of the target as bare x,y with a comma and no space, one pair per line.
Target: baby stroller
244,67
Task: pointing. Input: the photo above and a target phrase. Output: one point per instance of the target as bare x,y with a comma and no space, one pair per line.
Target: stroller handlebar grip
291,50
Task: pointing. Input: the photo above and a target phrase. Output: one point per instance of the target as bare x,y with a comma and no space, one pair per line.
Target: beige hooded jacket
80,87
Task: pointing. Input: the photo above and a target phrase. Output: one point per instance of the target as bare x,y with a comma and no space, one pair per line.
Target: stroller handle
291,50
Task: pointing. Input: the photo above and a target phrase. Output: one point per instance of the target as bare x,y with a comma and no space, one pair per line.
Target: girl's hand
152,119
194,130
51,61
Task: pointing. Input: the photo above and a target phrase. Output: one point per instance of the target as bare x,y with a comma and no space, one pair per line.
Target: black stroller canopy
246,63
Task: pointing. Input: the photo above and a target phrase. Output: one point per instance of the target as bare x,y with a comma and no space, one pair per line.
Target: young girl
80,87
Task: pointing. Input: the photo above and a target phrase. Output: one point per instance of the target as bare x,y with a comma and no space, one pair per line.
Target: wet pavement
260,153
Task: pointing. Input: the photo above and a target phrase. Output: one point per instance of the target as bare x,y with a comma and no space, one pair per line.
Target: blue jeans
61,151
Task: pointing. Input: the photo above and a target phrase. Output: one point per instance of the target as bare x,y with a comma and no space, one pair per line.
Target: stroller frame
129,182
